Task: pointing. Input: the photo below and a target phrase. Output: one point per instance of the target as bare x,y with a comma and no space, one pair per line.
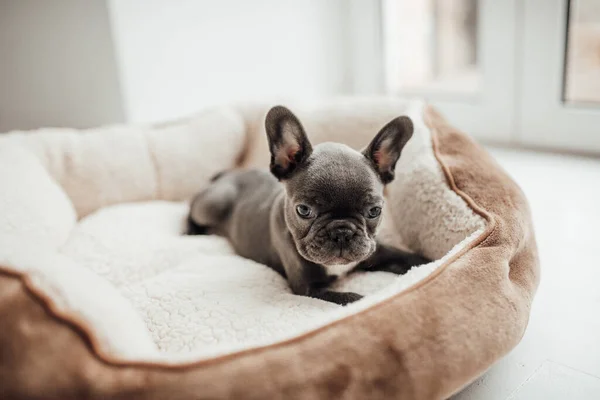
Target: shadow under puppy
314,218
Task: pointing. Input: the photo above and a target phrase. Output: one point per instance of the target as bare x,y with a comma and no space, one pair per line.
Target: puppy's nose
341,235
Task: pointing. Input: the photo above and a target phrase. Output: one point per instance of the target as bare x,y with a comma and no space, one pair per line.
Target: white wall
178,56
57,65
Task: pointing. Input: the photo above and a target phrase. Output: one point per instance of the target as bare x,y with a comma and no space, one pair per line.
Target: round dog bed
101,296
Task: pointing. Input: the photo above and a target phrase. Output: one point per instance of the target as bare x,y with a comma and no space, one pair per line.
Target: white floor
559,356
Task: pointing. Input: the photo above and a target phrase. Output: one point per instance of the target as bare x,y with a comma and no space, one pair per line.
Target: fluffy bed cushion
92,224
197,297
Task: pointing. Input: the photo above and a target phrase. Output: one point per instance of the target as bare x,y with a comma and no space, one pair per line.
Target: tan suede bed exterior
424,343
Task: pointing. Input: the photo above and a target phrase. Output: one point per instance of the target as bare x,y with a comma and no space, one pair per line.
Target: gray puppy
314,218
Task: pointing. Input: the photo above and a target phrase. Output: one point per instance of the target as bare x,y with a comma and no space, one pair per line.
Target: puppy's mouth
320,249
338,258
339,261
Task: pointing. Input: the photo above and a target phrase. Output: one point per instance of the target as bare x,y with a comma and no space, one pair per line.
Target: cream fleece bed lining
150,294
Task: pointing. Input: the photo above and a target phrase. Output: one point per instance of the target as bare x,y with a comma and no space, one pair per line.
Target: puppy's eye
374,212
303,210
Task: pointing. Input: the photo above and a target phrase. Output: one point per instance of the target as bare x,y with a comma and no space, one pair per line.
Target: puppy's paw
400,268
341,298
192,228
350,297
417,259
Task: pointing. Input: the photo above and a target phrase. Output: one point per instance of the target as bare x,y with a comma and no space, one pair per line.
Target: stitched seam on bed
154,161
249,138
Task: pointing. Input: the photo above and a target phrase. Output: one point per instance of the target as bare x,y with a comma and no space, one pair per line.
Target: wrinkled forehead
336,173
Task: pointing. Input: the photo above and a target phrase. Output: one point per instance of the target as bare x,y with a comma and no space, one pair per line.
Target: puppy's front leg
390,259
304,277
309,279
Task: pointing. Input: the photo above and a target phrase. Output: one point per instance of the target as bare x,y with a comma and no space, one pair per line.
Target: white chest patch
340,269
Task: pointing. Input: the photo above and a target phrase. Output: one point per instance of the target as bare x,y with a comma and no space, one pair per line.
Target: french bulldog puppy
315,216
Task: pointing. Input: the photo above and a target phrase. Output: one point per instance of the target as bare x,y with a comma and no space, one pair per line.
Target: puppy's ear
288,143
384,150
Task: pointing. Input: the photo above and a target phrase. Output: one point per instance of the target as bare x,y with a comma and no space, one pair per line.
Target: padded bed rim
433,121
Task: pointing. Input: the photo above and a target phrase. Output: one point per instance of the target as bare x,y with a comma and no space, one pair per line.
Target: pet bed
101,296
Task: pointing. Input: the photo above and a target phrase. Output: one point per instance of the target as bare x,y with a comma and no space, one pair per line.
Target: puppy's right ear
288,143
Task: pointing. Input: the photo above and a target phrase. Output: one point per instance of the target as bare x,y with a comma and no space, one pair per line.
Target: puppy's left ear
384,150
288,143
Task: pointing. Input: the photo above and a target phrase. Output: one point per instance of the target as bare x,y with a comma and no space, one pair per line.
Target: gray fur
341,186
